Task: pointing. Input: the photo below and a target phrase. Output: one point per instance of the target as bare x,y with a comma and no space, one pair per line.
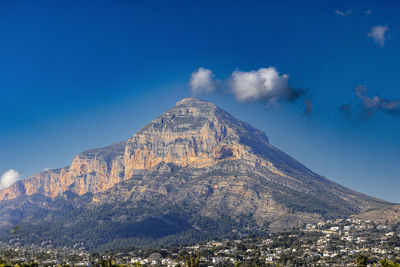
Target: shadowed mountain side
193,173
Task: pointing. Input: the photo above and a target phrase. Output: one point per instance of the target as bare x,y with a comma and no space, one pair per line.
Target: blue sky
81,74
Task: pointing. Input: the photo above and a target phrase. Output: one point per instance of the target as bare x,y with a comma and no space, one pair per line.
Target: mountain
193,173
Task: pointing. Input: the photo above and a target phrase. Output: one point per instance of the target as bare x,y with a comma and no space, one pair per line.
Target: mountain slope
192,173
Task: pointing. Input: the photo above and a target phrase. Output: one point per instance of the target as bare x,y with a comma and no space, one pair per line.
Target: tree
14,230
362,260
384,262
190,261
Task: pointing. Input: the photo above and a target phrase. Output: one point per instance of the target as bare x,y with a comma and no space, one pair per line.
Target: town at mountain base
191,174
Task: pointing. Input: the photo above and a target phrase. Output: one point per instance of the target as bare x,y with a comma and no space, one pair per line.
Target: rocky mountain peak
193,133
194,101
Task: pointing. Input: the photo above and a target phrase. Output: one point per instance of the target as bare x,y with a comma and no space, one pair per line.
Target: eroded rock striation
193,171
95,170
194,133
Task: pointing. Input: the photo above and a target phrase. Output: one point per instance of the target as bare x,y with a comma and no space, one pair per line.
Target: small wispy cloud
368,12
308,106
265,85
369,105
201,81
8,178
343,12
376,103
346,111
378,34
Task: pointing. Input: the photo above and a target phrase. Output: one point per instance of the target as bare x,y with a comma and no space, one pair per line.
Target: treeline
364,261
5,263
106,227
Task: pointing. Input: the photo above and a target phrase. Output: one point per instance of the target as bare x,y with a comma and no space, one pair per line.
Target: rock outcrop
95,170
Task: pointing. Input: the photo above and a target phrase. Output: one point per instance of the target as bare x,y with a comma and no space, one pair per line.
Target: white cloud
343,12
264,84
378,34
8,178
201,81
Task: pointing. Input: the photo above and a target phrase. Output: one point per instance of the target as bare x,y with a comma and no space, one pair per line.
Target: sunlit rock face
194,133
95,170
198,157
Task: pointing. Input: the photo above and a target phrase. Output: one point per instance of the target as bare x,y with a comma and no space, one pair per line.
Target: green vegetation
386,263
191,261
104,228
4,263
362,260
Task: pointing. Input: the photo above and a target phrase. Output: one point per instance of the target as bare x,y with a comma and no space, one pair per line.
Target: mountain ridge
82,163
194,171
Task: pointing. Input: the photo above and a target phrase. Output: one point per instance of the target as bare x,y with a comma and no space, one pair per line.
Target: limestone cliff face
15,190
194,133
95,170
